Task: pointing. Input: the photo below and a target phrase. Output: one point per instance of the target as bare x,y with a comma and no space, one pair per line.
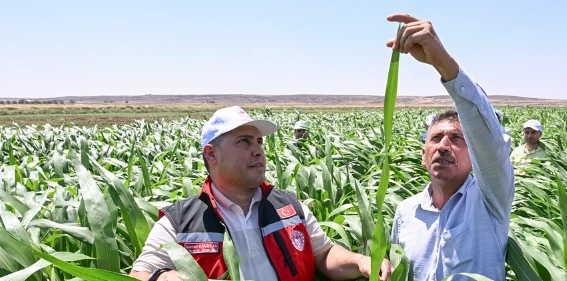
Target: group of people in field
458,223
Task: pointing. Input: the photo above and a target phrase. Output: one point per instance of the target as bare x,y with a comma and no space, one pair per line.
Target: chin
257,181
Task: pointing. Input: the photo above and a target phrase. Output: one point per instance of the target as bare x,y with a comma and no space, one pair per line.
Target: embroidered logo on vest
201,247
286,211
298,240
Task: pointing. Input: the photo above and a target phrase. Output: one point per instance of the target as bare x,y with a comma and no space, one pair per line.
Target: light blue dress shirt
470,233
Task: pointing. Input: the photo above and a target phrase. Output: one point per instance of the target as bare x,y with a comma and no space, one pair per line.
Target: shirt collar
538,148
427,204
226,203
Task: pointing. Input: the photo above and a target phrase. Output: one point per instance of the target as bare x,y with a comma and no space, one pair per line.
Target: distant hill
297,100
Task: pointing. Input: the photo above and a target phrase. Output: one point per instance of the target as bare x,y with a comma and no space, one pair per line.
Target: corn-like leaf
230,257
25,273
14,226
134,219
18,250
87,274
379,244
185,263
563,210
81,233
517,261
100,219
13,202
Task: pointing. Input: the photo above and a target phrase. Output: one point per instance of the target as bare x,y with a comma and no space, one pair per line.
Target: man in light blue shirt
459,223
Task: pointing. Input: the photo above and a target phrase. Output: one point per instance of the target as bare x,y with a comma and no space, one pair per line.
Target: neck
441,191
532,147
240,196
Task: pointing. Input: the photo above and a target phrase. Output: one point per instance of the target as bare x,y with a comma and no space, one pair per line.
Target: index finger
405,18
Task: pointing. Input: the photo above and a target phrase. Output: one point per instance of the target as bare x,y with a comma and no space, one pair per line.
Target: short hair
215,143
449,115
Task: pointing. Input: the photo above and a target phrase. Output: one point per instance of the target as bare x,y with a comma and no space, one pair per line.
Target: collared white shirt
246,236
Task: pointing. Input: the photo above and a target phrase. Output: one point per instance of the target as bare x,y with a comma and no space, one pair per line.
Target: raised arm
488,146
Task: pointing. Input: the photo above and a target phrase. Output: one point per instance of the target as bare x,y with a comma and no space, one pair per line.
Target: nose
444,144
257,150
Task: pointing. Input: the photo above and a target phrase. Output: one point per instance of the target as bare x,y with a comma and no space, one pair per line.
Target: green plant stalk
563,209
379,242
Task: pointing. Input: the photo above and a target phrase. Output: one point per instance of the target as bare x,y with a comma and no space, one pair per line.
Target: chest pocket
456,252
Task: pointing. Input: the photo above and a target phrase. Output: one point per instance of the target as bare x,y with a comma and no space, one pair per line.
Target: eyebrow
456,133
250,137
247,136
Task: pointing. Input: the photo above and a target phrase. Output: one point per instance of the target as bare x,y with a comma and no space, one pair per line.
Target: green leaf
17,250
400,262
13,202
379,243
25,273
145,173
184,263
230,257
134,219
563,210
516,259
79,232
99,217
87,274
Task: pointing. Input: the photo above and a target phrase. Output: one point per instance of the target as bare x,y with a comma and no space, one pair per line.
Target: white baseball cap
429,119
534,124
301,125
229,118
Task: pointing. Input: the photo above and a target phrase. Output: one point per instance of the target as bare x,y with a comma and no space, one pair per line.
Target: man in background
532,148
300,132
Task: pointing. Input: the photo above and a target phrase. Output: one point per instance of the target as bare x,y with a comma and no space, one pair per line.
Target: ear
209,154
423,157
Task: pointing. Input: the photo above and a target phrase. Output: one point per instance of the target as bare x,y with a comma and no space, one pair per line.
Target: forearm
340,264
487,145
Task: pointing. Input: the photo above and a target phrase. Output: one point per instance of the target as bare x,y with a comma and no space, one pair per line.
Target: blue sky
57,48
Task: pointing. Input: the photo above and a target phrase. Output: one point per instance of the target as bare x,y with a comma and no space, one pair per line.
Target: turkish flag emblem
286,212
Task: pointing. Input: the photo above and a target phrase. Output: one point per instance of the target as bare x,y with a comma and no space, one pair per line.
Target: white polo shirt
246,236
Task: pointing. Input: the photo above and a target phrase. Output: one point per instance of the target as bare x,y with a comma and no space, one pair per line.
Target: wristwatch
155,275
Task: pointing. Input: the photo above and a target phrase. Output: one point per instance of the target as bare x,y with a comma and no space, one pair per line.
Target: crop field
77,202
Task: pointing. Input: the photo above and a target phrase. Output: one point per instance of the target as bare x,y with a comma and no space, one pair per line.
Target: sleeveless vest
200,229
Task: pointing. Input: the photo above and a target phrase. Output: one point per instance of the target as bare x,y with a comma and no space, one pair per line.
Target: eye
246,141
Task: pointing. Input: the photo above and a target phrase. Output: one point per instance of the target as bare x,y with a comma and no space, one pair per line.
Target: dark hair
215,143
450,115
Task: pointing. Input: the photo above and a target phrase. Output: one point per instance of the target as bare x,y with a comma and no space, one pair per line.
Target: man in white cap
300,132
276,237
532,148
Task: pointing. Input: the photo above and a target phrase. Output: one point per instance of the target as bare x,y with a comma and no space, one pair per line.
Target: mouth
257,165
443,161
